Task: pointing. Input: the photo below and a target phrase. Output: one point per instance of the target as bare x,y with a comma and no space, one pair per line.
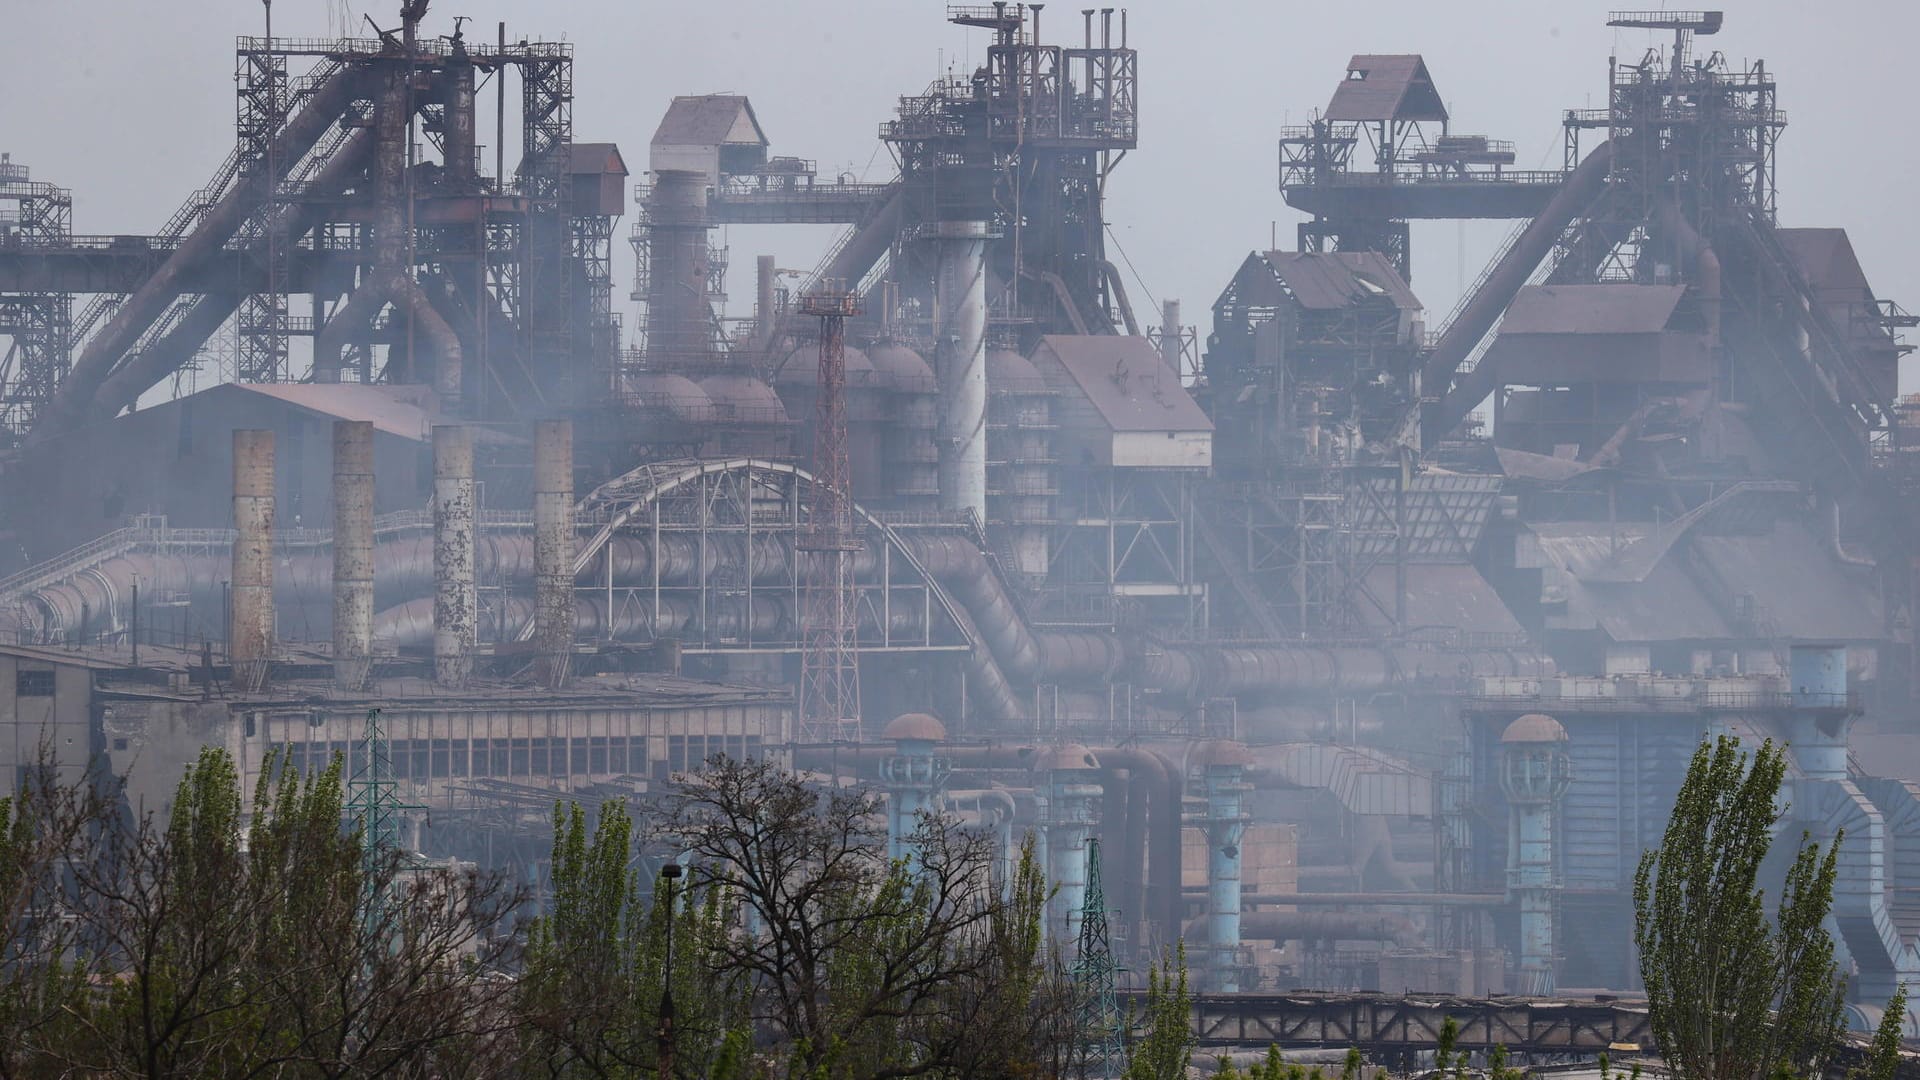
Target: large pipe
390,280
459,131
453,597
1222,766
960,366
76,398
1270,925
1165,784
1066,775
553,547
250,624
141,370
870,240
1576,194
352,553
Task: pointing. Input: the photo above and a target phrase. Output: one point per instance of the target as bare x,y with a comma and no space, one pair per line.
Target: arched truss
723,508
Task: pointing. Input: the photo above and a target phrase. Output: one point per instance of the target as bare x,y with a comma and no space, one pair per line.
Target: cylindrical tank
1068,780
913,776
1821,716
911,461
1222,766
679,321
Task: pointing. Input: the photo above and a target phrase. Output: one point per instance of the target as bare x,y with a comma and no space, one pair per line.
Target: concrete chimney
960,366
453,595
250,621
553,547
352,553
1170,334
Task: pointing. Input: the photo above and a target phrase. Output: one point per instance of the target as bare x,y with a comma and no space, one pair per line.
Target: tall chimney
250,622
453,597
553,547
352,553
679,315
960,366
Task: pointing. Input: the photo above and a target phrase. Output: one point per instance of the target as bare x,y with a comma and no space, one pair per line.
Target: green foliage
1713,963
596,964
1166,1048
1883,1057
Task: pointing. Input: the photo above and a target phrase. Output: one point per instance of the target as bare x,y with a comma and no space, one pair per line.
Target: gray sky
130,103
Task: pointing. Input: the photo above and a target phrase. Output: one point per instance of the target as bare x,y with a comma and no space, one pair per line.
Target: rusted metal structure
829,703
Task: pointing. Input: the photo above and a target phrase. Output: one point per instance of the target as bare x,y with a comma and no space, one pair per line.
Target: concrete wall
44,702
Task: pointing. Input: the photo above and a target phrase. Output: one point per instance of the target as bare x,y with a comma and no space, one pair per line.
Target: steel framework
830,660
40,323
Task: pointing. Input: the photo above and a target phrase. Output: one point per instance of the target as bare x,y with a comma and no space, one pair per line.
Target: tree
1166,1049
1883,1057
857,966
1713,965
590,993
243,942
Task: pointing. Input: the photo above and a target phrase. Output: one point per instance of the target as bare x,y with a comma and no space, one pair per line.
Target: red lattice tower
829,658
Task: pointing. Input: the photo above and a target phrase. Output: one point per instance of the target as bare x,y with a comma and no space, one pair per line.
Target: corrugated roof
386,406
1329,281
595,158
1387,88
705,120
1591,309
1125,379
1795,582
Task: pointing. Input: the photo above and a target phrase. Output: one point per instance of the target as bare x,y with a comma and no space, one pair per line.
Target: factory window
498,766
597,758
119,744
33,683
542,758
461,750
439,759
520,748
617,755
578,753
421,748
753,748
397,759
677,753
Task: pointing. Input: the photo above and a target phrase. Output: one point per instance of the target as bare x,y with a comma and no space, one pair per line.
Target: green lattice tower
1093,970
373,798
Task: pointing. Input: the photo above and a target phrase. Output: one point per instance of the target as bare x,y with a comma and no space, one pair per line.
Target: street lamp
669,874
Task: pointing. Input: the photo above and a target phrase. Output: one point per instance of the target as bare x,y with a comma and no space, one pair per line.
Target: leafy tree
1883,1057
244,942
1166,1049
590,994
1713,965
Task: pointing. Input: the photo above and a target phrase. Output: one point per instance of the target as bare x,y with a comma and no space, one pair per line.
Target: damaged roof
1592,309
1125,379
1329,281
1387,88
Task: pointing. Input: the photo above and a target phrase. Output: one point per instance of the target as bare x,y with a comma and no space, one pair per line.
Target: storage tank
1021,471
796,380
910,463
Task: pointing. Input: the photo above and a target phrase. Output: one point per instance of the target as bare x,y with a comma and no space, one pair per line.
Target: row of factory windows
599,755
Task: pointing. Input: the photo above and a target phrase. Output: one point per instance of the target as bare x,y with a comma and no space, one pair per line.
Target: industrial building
1370,642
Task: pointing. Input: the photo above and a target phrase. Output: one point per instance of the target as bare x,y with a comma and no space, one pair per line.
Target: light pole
668,874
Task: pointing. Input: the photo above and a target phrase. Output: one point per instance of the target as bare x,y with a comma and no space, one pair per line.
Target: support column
1223,768
352,553
453,592
763,314
960,366
250,621
914,777
1069,786
553,548
1534,775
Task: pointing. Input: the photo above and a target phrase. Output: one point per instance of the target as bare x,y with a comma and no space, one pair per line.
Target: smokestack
553,547
460,136
352,553
453,598
763,302
1170,335
678,318
250,620
960,366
